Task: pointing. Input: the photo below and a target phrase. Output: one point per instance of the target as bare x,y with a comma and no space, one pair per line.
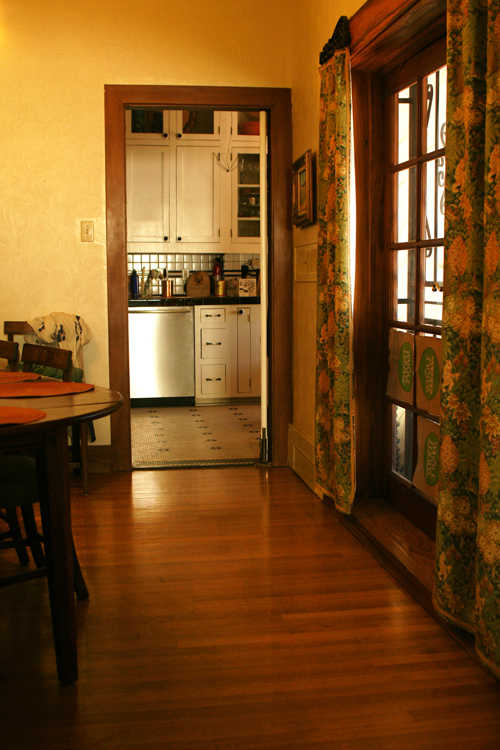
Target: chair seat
19,484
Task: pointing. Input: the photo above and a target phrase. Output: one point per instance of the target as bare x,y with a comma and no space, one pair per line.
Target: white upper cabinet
197,204
148,193
176,191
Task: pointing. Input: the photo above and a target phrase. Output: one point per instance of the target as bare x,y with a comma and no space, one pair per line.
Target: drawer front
213,380
213,315
213,343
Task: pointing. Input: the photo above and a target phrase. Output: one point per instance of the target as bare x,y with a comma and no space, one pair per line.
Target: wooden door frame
277,103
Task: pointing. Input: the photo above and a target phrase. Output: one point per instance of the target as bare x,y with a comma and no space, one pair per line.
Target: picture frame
303,208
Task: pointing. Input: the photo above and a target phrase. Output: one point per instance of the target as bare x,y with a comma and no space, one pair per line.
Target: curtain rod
340,39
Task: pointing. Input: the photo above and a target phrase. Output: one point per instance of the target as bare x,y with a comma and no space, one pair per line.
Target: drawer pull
213,316
210,379
213,343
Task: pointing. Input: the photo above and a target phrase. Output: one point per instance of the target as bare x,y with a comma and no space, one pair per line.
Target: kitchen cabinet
177,193
227,352
197,196
245,196
148,193
156,125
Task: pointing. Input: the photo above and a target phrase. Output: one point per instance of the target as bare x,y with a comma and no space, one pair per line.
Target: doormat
195,435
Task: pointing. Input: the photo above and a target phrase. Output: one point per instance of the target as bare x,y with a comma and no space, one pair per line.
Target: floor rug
195,435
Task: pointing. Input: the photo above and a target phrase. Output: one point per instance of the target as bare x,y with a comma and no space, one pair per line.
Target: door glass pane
433,294
198,121
406,205
407,124
436,110
402,439
147,121
433,190
405,272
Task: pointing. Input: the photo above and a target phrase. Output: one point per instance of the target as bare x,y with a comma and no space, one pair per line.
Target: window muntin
417,249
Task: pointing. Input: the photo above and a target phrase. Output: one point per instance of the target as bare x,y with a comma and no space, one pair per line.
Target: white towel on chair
61,330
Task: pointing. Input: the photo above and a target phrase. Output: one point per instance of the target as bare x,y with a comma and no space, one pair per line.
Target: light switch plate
87,229
305,259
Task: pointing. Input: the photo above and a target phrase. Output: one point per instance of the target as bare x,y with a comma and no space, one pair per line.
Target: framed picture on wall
303,209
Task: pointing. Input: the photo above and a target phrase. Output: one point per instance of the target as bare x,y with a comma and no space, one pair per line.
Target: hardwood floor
231,610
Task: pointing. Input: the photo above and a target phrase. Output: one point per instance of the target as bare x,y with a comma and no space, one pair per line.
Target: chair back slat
47,356
9,350
13,328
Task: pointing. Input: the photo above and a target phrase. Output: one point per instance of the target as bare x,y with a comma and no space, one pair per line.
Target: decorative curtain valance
467,587
334,433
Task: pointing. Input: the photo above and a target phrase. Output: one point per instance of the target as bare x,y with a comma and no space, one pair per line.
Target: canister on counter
220,288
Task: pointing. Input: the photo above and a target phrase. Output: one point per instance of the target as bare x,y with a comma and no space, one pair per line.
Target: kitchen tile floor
195,435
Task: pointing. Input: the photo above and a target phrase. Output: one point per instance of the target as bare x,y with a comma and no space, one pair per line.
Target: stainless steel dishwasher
161,353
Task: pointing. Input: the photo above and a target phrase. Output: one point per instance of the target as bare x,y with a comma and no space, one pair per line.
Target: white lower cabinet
227,352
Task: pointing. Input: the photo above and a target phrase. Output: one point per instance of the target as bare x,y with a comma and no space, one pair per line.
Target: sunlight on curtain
467,588
335,457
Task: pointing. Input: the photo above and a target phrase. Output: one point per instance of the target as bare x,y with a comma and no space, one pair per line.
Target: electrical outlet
87,231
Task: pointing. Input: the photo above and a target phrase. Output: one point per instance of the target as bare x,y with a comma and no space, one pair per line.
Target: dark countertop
182,301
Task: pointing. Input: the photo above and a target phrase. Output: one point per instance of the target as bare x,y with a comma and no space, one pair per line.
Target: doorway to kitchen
276,102
194,255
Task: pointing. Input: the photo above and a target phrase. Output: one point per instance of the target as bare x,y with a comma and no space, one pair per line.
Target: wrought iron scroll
340,39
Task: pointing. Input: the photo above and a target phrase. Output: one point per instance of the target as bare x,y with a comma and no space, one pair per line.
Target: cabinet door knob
166,239
165,135
179,135
240,312
179,239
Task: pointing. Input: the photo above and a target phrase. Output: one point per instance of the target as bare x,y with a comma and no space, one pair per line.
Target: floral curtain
335,457
467,588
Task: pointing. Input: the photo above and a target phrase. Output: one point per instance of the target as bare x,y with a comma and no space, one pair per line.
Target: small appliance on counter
198,284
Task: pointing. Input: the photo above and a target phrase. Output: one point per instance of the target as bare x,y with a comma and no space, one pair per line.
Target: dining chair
19,488
19,484
79,433
9,350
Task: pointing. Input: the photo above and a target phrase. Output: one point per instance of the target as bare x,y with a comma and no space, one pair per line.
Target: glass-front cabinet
162,124
246,196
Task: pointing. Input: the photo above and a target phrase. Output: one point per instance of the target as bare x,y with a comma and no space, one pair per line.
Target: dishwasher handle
164,310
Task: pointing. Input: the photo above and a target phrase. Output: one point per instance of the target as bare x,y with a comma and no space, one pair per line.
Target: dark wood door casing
277,103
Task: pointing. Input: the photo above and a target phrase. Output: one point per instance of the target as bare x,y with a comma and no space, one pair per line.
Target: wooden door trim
277,102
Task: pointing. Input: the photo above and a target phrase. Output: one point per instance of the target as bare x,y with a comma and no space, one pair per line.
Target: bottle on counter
134,285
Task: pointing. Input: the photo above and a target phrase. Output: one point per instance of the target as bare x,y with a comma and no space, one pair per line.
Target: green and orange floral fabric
467,588
334,440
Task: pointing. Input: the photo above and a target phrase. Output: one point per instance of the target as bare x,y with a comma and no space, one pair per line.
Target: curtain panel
467,585
334,429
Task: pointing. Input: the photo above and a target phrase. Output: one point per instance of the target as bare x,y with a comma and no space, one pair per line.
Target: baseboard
100,459
301,457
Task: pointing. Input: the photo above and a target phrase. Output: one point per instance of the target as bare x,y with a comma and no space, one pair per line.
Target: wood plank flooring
231,610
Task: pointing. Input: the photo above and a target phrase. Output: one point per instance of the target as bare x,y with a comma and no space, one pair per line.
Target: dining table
35,413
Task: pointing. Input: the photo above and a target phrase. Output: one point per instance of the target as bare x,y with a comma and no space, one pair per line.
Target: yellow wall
55,57
313,23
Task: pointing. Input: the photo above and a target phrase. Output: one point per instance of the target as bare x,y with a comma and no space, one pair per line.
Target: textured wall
55,57
313,24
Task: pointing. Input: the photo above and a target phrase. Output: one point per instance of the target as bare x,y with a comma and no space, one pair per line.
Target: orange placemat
42,388
19,415
15,377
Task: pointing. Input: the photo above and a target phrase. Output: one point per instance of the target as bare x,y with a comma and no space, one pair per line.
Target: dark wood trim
277,102
386,32
370,289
